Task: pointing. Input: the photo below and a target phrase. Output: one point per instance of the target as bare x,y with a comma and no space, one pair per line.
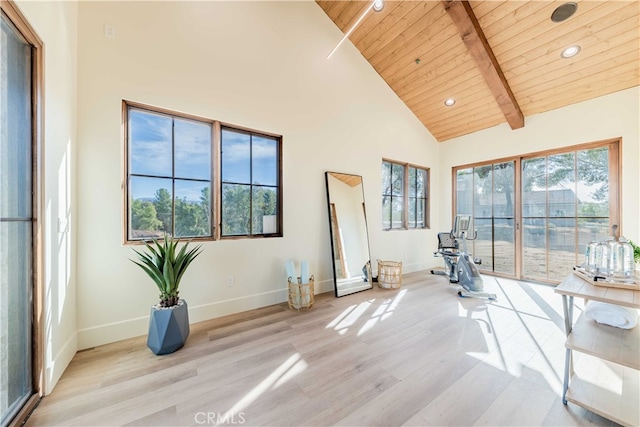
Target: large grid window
169,175
404,196
171,178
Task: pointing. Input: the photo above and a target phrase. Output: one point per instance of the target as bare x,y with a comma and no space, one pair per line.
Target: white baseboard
418,266
130,328
410,268
199,313
112,332
324,286
56,365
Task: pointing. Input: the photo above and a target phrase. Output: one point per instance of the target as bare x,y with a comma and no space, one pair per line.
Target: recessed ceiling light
378,5
449,102
570,51
564,12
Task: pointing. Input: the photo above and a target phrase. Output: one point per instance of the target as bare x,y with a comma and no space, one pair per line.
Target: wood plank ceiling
417,48
350,180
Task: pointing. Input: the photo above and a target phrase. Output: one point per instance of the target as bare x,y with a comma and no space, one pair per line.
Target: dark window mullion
415,198
547,211
576,227
173,176
493,214
251,185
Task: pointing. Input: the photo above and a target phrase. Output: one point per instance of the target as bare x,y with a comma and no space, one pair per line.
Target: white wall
256,64
56,25
611,116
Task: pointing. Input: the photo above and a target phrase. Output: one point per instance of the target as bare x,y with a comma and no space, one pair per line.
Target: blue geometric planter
168,329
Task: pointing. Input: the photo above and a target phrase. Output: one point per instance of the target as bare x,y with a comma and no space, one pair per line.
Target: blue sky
151,153
236,155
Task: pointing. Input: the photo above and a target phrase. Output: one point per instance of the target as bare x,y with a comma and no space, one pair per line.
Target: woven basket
389,274
301,295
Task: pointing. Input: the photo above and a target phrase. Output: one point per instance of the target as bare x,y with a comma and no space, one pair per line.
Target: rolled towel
304,272
612,315
291,271
294,288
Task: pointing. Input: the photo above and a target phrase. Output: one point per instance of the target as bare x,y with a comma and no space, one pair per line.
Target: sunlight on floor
293,366
349,317
523,328
341,316
383,312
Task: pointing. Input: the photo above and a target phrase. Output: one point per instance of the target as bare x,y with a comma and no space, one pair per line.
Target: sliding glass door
16,220
487,193
535,214
565,205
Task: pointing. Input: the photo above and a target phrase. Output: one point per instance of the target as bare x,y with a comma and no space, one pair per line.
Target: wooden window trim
126,105
13,14
216,178
615,188
405,195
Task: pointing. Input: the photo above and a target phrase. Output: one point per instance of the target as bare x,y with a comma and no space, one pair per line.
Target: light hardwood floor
418,355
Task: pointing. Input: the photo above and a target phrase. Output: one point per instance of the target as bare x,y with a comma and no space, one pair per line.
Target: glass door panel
562,247
534,242
592,230
592,191
561,185
16,222
566,197
561,213
482,246
504,246
464,191
504,218
534,218
488,193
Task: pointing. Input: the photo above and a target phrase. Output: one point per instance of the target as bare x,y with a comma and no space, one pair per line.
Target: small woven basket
389,274
301,295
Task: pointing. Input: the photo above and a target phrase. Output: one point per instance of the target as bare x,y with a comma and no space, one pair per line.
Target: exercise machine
460,267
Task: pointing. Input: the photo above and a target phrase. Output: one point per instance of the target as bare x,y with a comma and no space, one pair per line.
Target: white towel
304,272
291,271
294,289
612,315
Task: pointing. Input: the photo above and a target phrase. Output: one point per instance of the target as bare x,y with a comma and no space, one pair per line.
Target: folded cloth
612,315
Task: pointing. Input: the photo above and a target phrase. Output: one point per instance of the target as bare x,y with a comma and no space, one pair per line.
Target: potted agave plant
169,320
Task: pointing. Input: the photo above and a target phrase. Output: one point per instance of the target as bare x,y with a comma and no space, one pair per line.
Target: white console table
610,385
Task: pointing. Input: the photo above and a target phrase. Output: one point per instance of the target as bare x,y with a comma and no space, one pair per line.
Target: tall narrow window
250,183
417,198
392,195
19,347
169,175
404,196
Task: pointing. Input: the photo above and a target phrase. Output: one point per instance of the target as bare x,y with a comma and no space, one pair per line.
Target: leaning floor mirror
349,236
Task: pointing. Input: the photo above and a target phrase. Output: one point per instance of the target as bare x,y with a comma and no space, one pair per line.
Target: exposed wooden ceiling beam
476,42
